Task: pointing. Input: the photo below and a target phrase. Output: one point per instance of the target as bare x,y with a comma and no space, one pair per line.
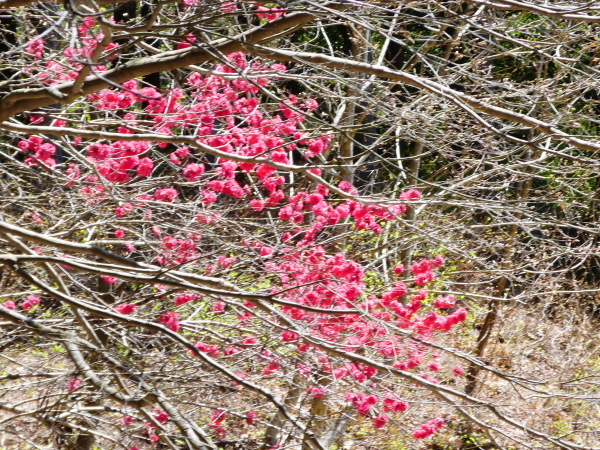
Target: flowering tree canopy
214,233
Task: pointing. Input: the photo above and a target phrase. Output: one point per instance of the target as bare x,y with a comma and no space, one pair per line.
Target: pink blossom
363,408
144,168
398,291
123,210
41,152
437,262
280,157
170,320
126,308
421,266
278,67
231,350
73,172
266,251
185,297
264,171
256,204
193,171
187,42
251,416
218,417
225,262
161,416
108,99
154,438
434,365
347,187
286,213
108,279
165,195
316,391
119,234
170,243
218,307
458,370
36,48
227,6
424,278
9,304
271,368
31,302
371,399
445,302
272,183
411,194
289,336
126,420
208,197
73,384
429,428
248,340
314,199
310,104
458,316
183,152
380,420
304,370
270,13
393,403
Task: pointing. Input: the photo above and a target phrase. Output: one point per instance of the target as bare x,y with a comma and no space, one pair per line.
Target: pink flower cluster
212,350
73,384
362,402
166,195
366,216
41,152
122,211
251,417
119,161
393,403
126,308
227,115
317,391
56,71
429,428
126,420
186,297
380,420
435,321
445,302
423,269
170,320
30,302
36,48
178,251
161,416
270,13
216,423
